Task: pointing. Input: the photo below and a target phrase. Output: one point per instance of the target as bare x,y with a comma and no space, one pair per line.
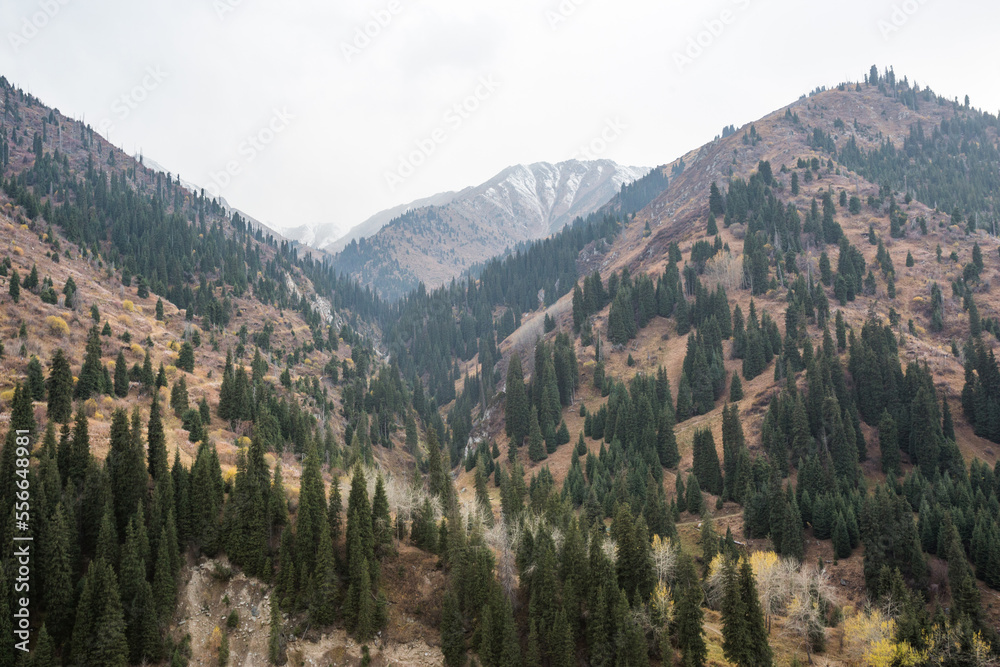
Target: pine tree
516,415
99,633
688,631
274,644
164,584
685,401
744,632
439,482
121,376
15,287
536,446
841,540
333,513
706,462
35,384
381,521
60,388
736,388
141,627
666,438
889,443
694,501
452,632
157,441
185,358
179,397
91,372
323,610
57,571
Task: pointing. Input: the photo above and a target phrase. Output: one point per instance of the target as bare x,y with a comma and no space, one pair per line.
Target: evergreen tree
15,287
156,441
536,447
121,376
841,540
889,443
452,632
736,388
127,483
323,610
706,462
57,573
693,500
381,521
185,358
688,631
36,380
91,372
274,643
99,633
744,632
516,415
60,388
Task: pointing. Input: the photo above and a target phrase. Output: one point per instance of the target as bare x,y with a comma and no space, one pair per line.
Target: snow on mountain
541,198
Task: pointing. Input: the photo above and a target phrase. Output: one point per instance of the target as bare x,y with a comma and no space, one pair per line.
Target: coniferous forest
751,435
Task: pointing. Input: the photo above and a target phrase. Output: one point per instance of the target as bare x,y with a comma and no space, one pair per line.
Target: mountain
325,236
788,337
436,239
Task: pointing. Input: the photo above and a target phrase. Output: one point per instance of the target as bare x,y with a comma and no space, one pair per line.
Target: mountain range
434,239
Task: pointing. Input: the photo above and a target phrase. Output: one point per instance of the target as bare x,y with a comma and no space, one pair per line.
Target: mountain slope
434,243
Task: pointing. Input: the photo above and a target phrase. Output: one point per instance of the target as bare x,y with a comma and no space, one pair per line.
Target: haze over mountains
790,341
434,239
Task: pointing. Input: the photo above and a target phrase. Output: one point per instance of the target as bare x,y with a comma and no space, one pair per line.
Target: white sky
563,68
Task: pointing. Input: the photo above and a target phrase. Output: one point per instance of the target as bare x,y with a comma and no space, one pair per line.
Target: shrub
57,325
128,306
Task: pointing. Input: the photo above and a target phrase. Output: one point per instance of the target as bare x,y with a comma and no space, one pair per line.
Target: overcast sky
296,116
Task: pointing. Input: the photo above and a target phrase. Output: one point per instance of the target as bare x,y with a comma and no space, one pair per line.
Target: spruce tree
452,632
536,446
889,443
841,540
688,615
439,481
35,384
99,633
736,388
57,573
274,643
15,287
60,388
516,415
381,521
323,610
156,441
91,372
706,462
693,500
121,376
164,583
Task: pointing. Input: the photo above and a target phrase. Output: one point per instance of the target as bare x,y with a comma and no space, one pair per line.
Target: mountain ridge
434,243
